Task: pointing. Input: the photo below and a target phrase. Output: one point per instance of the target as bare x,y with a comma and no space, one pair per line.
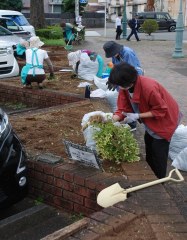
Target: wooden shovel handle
169,178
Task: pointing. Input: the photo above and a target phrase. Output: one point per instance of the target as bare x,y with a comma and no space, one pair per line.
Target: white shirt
118,22
42,54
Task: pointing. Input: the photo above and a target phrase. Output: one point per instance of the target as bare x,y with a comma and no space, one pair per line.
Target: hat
111,48
35,42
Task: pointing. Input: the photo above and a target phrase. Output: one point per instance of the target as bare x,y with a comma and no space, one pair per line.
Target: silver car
8,64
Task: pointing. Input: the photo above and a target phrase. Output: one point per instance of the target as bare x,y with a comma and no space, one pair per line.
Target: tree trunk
150,5
37,17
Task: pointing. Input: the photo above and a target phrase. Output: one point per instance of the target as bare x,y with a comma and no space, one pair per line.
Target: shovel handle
169,178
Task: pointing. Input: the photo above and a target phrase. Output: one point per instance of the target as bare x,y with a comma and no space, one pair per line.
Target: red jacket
153,97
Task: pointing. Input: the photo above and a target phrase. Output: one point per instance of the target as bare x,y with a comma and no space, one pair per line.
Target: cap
111,48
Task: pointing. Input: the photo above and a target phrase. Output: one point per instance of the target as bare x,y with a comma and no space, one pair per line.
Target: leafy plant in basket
116,144
149,26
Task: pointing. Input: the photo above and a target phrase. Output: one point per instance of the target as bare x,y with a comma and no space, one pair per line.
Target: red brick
48,169
69,176
91,204
50,179
40,176
81,209
48,188
72,197
64,184
84,192
38,166
58,201
60,169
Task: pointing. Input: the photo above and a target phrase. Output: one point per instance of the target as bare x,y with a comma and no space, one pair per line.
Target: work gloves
131,117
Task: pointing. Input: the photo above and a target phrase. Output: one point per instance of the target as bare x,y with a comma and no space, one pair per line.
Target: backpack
130,23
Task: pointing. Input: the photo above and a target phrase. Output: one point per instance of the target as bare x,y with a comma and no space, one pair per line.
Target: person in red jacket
144,99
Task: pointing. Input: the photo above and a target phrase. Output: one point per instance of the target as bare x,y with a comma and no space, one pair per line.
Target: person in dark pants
133,24
144,99
118,27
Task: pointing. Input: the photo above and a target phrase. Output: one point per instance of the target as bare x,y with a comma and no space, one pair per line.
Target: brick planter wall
68,186
35,98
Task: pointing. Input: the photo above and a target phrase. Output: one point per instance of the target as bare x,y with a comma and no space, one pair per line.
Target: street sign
83,1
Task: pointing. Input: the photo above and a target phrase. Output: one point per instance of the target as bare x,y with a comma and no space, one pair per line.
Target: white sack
87,68
101,83
180,162
112,97
99,93
178,141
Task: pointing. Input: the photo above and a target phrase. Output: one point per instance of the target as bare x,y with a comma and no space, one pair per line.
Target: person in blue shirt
120,53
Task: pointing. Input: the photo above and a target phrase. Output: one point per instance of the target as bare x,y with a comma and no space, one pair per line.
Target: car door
162,21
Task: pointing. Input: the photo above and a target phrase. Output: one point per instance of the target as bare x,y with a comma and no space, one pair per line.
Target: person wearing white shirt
33,71
118,27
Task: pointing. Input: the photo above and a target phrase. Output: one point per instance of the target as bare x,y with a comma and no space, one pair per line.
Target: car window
4,32
150,16
161,16
19,19
12,26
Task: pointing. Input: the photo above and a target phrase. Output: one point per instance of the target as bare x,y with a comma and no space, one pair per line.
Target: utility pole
76,8
124,21
179,34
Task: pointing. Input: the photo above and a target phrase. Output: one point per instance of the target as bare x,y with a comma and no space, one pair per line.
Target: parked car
13,169
20,19
8,63
13,27
164,20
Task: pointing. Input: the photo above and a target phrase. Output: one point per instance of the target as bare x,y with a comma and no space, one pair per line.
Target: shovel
115,193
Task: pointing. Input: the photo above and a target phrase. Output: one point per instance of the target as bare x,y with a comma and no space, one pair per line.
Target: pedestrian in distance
118,27
146,100
33,71
133,24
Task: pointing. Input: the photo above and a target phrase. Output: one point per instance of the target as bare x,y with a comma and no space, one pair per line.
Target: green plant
149,26
116,144
76,217
38,201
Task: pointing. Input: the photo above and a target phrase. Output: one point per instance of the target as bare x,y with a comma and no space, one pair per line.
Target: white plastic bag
180,162
101,83
90,130
87,68
99,93
112,97
178,141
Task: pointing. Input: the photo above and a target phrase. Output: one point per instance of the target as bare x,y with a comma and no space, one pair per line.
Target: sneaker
128,39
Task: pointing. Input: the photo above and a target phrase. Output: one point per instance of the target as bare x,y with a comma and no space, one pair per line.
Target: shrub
116,144
50,33
149,26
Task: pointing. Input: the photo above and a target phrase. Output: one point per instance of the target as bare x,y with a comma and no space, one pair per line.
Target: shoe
128,39
138,40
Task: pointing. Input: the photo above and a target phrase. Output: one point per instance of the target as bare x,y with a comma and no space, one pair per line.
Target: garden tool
115,193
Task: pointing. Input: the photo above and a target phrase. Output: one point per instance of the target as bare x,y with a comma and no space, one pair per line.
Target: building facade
115,7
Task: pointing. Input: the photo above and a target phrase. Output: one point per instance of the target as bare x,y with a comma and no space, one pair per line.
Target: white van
20,19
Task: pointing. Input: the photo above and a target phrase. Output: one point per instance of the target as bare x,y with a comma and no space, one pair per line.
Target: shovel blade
111,195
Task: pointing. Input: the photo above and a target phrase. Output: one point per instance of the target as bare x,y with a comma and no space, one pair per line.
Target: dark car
13,27
164,20
13,170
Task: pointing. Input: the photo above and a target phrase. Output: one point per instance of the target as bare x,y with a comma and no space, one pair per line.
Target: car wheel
172,29
140,30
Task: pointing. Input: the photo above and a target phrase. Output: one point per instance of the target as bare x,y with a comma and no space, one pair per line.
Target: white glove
131,117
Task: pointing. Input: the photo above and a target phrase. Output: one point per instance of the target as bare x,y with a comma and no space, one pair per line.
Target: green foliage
38,201
69,6
76,217
149,26
50,33
116,144
11,5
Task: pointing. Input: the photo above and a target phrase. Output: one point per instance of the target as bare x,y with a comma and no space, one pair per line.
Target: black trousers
156,154
133,31
118,32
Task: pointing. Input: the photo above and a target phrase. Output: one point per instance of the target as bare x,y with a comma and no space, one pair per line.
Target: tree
11,5
37,17
69,6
